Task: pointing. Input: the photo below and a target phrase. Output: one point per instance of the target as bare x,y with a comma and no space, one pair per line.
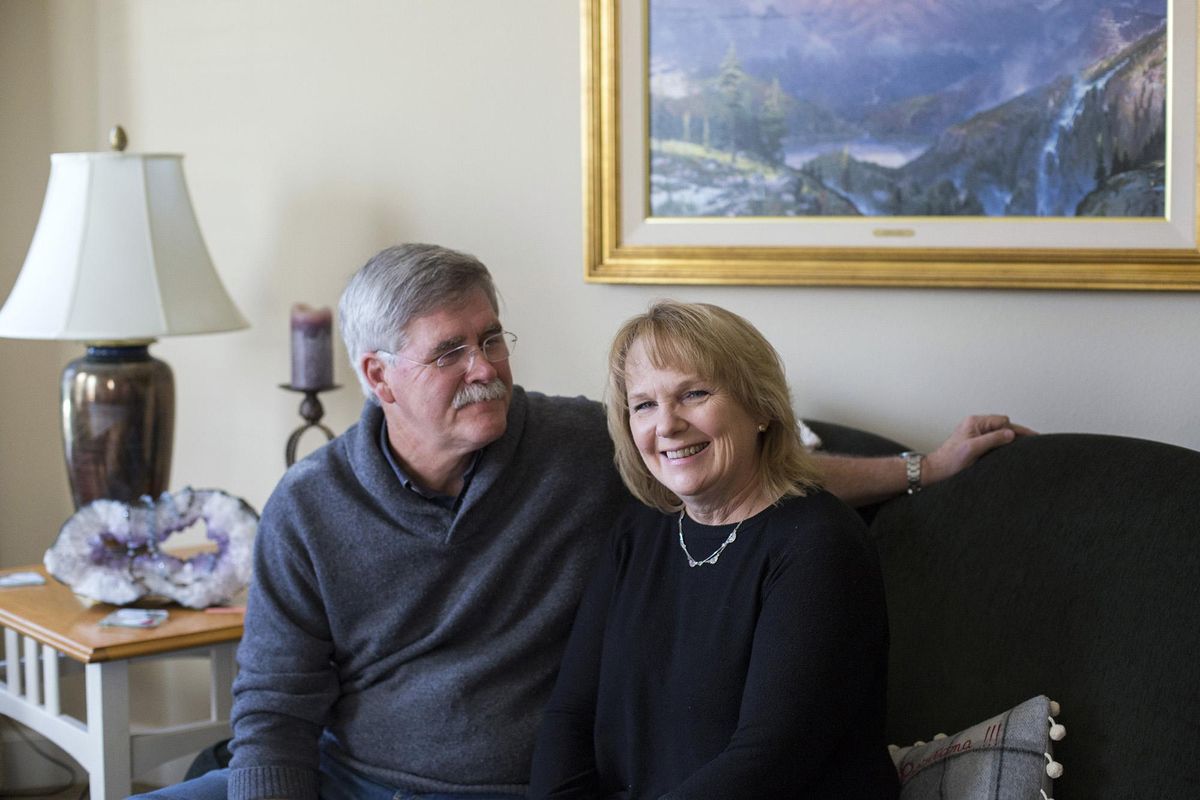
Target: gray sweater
416,644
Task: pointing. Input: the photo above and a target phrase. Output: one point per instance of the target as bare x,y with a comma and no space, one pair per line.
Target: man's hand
862,481
971,438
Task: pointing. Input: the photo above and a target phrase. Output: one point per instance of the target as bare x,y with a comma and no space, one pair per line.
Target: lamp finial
117,138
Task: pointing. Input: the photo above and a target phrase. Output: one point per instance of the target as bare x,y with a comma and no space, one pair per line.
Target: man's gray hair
398,285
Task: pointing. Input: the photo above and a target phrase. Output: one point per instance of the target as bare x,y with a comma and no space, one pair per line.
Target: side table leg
110,758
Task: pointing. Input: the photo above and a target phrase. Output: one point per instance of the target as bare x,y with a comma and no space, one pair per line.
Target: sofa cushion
837,438
1002,758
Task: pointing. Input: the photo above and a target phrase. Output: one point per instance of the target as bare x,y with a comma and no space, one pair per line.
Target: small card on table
11,580
135,618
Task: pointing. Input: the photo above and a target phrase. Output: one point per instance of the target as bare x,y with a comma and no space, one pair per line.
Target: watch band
912,470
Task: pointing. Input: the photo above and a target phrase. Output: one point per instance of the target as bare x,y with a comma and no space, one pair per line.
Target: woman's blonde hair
724,348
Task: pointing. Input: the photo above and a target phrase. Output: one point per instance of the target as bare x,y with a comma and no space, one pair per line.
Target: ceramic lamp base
118,423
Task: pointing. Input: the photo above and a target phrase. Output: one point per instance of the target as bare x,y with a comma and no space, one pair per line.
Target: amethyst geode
112,552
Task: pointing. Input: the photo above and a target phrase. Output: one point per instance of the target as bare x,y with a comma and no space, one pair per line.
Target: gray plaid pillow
1007,757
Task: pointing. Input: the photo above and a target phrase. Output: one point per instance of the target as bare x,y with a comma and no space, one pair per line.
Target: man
415,579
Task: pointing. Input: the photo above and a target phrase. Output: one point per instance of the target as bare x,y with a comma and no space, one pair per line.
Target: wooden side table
45,625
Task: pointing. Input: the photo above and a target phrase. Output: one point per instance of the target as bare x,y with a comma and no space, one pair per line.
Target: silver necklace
717,554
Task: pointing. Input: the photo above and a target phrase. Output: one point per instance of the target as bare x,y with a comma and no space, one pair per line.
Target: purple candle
312,347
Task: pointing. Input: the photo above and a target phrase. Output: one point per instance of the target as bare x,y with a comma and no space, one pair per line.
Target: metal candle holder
312,411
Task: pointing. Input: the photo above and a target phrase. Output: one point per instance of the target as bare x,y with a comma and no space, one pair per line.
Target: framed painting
998,143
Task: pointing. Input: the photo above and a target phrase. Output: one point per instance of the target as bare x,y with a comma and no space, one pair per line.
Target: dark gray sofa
1066,565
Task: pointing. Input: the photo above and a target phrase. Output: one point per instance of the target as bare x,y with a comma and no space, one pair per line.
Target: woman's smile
685,452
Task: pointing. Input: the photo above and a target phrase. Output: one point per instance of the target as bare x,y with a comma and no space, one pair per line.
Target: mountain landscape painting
982,108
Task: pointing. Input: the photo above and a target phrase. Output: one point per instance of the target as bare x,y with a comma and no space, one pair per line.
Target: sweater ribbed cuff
272,783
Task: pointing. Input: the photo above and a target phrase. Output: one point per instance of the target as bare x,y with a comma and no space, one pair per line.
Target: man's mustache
480,392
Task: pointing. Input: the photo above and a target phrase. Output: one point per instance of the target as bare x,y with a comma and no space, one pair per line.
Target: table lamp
116,261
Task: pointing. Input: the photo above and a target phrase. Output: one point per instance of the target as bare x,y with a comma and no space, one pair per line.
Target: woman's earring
762,427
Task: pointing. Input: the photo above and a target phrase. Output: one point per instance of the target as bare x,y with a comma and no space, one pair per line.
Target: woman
733,642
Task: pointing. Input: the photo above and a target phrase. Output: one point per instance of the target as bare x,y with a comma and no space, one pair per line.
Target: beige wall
317,132
47,103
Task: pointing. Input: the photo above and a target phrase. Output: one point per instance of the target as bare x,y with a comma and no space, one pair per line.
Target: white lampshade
117,256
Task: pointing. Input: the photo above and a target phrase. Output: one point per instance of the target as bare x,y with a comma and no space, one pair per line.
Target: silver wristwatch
912,470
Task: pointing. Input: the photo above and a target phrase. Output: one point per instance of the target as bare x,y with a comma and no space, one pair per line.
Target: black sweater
760,676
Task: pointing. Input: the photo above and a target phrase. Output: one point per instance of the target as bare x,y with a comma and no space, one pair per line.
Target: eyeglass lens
495,348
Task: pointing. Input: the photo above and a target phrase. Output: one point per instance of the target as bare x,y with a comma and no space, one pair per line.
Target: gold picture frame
624,244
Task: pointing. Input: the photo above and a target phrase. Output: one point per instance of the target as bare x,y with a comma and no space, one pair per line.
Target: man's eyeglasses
495,348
